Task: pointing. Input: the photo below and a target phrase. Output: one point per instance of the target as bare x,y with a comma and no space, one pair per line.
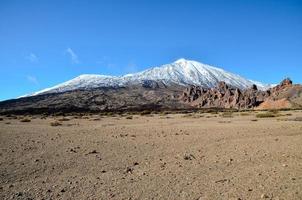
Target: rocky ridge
284,95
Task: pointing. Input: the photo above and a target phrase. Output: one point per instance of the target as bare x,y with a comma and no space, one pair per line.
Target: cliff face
224,96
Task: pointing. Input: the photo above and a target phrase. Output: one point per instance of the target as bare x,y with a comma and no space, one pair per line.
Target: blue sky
43,43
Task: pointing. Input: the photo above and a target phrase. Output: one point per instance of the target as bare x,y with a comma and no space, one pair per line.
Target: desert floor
173,156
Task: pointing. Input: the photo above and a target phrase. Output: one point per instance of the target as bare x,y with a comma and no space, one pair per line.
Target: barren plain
242,155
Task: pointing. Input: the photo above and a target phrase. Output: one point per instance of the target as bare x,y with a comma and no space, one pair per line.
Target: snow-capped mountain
181,72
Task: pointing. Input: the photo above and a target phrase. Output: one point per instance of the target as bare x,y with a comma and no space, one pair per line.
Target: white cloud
73,56
32,58
32,79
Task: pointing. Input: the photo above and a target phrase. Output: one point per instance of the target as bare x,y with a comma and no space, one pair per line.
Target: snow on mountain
182,72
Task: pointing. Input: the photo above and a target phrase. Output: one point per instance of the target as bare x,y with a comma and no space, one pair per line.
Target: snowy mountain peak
181,72
181,60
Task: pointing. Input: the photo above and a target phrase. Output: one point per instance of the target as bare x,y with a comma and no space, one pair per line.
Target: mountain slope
181,72
130,98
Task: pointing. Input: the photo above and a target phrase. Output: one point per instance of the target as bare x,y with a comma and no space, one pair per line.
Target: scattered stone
129,170
163,165
72,150
123,135
19,194
222,181
264,196
55,123
92,152
189,157
25,120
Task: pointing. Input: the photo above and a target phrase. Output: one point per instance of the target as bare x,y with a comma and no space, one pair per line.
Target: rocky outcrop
224,96
284,95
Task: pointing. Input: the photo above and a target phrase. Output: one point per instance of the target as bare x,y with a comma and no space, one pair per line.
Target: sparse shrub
227,114
189,115
63,119
284,120
166,112
129,117
193,115
109,113
212,111
224,122
55,123
25,120
1,119
245,114
274,111
254,120
189,157
145,112
163,113
298,119
59,114
269,114
265,115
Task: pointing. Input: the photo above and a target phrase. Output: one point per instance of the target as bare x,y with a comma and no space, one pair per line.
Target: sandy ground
172,157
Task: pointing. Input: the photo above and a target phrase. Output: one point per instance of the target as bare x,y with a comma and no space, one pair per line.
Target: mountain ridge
182,72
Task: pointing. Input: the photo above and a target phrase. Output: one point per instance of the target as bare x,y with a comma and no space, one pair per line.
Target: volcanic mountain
181,72
183,84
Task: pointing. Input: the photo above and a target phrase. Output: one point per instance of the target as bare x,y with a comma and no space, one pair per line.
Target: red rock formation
224,96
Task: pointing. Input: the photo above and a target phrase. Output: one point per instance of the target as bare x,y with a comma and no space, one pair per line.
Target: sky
43,43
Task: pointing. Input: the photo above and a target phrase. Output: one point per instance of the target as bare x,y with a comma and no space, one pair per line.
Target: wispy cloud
32,58
73,56
32,79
